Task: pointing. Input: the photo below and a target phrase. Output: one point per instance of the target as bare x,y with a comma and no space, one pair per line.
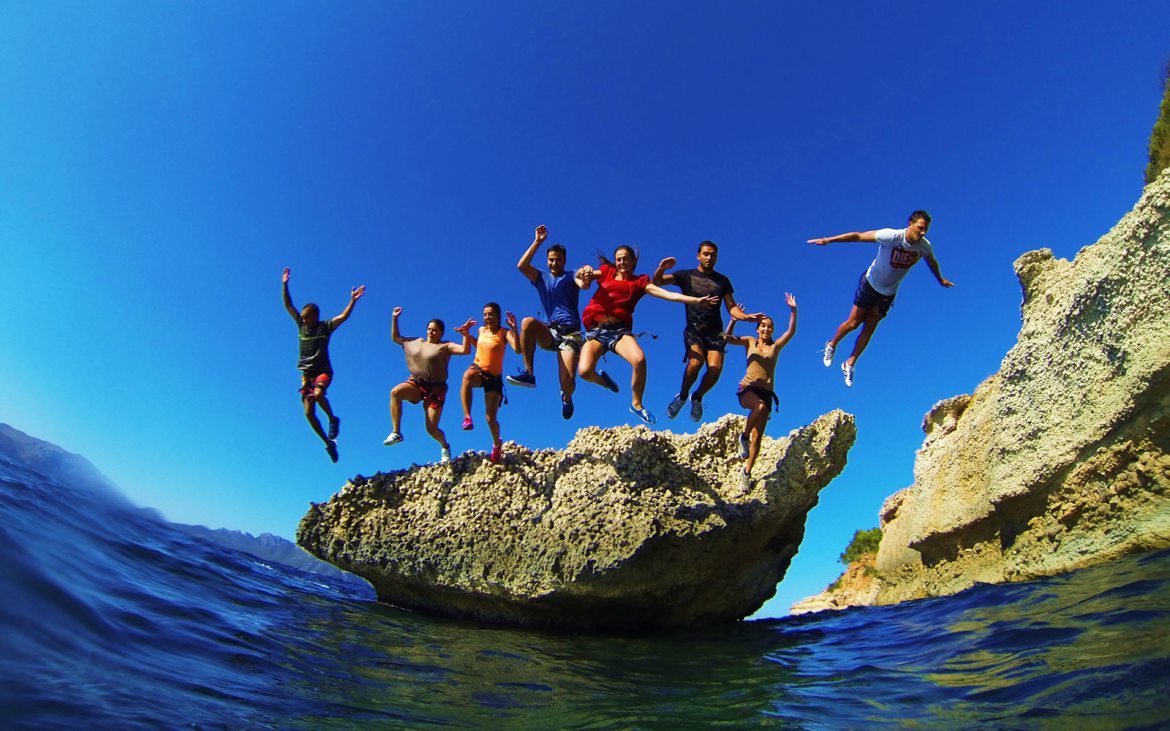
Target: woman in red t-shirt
609,317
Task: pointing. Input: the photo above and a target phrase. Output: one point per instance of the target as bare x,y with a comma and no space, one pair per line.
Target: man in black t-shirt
703,335
316,371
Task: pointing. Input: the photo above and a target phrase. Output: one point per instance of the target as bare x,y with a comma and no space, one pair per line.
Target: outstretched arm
783,340
660,276
737,312
730,336
354,296
394,335
525,265
669,296
288,305
468,341
513,334
851,236
933,264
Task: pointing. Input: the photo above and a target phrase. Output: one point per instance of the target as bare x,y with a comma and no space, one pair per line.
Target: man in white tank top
898,250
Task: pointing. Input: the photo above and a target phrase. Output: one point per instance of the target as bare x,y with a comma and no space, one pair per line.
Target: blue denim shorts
608,335
867,297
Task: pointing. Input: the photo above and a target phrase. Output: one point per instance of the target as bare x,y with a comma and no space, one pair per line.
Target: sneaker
467,425
523,380
331,448
848,371
394,438
445,455
745,446
829,350
645,415
675,406
745,482
334,424
566,407
609,384
696,409
496,449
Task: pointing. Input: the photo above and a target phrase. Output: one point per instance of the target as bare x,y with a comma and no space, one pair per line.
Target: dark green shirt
315,346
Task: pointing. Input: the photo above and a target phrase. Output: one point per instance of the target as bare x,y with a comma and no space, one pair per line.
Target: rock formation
625,528
1062,458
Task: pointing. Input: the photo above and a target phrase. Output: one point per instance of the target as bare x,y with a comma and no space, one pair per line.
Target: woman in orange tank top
486,372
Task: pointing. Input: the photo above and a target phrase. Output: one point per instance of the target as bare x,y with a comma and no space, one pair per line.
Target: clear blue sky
160,163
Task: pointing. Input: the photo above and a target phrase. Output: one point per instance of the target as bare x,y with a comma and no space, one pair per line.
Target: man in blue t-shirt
560,329
316,370
898,250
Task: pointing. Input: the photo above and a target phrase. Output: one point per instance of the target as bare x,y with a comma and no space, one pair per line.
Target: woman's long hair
605,259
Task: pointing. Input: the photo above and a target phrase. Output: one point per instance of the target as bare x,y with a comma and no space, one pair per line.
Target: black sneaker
566,407
523,380
334,424
331,448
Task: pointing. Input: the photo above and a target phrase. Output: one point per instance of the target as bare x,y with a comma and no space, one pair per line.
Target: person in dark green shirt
316,371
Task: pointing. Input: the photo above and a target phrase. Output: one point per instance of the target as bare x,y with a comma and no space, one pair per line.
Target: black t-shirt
695,283
315,346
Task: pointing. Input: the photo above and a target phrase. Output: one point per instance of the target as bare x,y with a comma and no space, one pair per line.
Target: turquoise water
113,620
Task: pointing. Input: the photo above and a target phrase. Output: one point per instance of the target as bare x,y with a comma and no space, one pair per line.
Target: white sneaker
394,438
675,406
744,446
848,371
829,350
445,455
745,482
696,409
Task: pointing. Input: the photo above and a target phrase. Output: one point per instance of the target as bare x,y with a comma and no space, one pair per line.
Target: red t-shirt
614,297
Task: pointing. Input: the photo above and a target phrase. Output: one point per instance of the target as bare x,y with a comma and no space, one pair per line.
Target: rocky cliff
625,528
1062,458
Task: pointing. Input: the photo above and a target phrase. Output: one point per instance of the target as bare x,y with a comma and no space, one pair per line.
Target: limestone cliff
1062,458
625,528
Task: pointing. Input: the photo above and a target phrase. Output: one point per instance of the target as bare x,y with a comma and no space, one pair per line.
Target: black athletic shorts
706,340
867,297
490,383
768,397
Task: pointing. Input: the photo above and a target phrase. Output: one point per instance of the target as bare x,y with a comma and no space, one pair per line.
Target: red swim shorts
312,381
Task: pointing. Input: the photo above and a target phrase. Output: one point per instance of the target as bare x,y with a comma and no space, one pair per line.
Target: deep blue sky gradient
162,162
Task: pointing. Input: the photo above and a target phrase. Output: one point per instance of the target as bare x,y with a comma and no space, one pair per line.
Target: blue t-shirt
560,299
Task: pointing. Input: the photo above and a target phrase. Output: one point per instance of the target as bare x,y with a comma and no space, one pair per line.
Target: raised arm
669,296
354,296
660,277
737,312
394,335
783,339
730,336
288,305
933,264
468,341
513,334
851,236
525,265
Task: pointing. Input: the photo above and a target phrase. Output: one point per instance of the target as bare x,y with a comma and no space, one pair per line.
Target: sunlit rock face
1062,458
625,528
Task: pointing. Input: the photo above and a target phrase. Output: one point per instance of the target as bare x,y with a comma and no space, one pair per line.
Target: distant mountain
73,469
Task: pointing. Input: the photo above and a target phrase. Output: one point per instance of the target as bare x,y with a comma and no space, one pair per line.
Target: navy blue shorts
868,297
608,335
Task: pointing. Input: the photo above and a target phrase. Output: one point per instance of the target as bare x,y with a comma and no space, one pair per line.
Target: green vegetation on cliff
1160,137
864,541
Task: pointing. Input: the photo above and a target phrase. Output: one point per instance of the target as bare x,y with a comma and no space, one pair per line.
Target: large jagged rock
625,528
1060,460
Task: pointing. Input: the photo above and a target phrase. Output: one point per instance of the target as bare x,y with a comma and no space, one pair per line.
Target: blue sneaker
331,448
334,425
645,415
696,408
675,406
566,407
523,380
609,384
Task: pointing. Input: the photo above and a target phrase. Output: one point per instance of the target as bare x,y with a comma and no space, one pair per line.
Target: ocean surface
112,620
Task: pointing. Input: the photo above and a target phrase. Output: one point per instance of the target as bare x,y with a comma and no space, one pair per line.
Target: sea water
110,619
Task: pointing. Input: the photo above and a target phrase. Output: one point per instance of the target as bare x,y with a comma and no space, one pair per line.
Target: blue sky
162,162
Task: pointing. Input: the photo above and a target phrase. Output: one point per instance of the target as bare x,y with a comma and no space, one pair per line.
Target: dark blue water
113,620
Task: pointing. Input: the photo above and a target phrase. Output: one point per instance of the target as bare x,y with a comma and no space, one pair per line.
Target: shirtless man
316,371
757,391
898,250
703,334
487,370
426,359
560,332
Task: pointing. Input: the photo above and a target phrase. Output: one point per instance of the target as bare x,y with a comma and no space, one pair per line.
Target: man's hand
946,283
284,278
790,300
586,273
397,311
541,234
708,302
818,242
667,263
511,320
357,293
465,328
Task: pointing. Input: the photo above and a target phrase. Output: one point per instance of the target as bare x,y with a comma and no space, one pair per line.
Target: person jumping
426,359
486,372
898,250
609,317
316,371
756,391
559,292
703,334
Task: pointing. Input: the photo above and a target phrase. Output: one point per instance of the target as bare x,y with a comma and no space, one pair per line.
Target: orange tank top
489,350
